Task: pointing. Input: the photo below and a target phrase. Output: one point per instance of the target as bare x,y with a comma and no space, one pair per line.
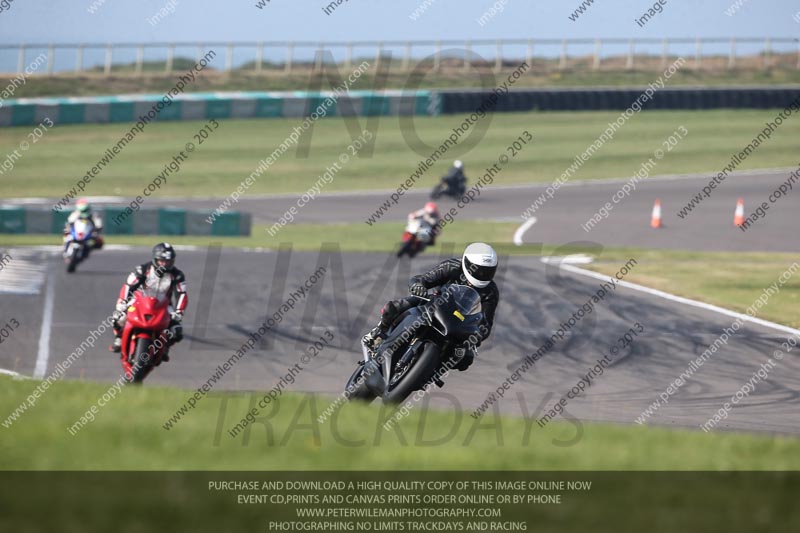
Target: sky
32,21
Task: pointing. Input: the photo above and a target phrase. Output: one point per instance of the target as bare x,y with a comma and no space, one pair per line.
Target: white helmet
457,163
479,264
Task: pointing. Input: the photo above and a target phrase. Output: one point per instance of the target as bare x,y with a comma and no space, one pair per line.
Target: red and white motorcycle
416,237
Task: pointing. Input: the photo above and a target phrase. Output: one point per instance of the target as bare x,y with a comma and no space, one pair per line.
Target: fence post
50,59
171,58
629,60
109,56
21,59
596,61
139,59
664,53
407,56
530,53
698,49
318,57
732,55
229,58
259,56
289,54
379,55
79,59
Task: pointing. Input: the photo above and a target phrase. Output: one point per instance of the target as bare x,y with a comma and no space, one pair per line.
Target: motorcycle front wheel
72,260
415,376
406,248
143,360
356,389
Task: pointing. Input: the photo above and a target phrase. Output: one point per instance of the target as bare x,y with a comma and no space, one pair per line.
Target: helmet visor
480,272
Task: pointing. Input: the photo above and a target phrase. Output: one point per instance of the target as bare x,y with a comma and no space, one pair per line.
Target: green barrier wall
117,221
198,106
12,220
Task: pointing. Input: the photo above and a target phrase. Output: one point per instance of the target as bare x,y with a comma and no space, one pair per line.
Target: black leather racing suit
448,271
454,179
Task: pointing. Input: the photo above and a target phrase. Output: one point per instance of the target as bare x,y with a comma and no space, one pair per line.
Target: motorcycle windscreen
81,229
459,311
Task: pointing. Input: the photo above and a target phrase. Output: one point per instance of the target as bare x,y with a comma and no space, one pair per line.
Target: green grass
733,280
127,434
53,165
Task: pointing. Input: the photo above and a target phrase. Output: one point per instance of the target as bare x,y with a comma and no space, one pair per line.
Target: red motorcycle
146,334
417,236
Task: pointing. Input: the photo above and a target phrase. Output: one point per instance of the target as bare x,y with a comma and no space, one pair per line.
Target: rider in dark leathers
455,178
475,269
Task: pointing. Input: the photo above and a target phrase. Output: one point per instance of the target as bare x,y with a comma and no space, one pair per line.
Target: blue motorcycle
79,242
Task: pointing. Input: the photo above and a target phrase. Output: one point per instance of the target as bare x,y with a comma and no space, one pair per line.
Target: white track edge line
682,300
43,355
522,229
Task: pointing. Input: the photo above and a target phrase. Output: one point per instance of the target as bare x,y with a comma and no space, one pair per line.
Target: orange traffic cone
738,215
655,219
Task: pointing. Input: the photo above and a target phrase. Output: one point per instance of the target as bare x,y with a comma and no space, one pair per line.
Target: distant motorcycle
78,243
425,338
444,188
146,334
416,237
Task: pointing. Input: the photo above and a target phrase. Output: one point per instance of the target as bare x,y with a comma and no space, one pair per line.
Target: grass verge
733,280
128,434
66,153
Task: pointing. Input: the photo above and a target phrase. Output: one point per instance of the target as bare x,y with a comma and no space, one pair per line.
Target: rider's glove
176,316
418,289
120,310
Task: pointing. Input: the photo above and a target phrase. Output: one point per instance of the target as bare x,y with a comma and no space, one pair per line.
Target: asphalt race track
708,227
231,293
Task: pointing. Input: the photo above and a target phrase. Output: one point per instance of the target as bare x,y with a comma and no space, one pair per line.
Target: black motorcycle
447,188
422,343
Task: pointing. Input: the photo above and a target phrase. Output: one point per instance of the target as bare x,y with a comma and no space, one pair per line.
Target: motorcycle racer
83,211
430,215
159,274
475,269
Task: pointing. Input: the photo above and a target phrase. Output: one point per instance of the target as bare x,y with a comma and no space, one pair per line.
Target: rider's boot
116,346
373,339
377,335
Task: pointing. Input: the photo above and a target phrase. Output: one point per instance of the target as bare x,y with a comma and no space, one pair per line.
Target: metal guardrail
446,53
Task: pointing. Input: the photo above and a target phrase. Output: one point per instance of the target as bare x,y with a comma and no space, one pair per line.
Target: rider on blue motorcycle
83,211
